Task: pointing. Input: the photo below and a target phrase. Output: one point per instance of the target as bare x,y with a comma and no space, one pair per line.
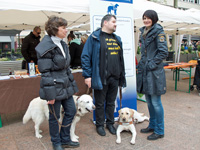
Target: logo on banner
122,1
112,9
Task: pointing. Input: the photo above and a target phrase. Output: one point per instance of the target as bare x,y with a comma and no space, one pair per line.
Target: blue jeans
62,137
156,113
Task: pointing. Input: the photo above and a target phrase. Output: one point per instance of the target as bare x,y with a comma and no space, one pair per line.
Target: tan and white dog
38,111
127,117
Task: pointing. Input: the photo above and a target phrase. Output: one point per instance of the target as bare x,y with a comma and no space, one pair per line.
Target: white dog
38,111
84,104
139,117
126,123
127,117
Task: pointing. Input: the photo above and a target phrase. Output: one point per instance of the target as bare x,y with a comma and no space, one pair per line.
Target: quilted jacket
57,81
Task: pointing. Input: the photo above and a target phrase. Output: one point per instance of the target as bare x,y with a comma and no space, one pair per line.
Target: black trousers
105,102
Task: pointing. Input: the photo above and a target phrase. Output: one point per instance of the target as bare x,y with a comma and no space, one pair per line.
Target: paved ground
182,127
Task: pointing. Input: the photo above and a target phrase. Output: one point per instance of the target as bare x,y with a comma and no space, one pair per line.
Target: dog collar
126,123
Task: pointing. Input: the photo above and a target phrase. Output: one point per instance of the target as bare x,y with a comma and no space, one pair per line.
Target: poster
125,29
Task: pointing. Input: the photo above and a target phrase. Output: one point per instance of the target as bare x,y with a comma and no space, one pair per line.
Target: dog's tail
27,116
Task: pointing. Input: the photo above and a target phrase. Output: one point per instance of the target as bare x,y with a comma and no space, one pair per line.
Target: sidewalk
182,127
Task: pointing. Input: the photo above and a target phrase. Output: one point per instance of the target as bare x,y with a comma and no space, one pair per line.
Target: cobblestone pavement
182,127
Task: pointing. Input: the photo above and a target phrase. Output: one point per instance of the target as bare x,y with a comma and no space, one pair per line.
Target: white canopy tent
25,14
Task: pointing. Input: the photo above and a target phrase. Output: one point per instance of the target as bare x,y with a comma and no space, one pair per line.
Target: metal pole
173,36
175,3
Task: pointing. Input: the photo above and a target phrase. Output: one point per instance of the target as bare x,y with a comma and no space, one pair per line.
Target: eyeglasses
38,33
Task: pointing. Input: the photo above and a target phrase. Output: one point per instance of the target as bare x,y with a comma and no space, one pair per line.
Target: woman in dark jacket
151,75
57,84
75,50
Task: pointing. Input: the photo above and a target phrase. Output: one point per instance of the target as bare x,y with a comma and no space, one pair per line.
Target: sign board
123,10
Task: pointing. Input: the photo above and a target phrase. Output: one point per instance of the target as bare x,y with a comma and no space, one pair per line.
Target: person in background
57,84
103,70
84,38
75,50
28,45
151,79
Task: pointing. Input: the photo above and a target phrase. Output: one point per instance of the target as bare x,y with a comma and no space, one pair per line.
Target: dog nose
93,107
124,119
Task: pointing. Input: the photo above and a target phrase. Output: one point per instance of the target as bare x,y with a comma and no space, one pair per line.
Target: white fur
38,111
126,116
139,117
84,104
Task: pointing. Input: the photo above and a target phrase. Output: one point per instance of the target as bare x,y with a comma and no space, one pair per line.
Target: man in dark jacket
103,70
29,44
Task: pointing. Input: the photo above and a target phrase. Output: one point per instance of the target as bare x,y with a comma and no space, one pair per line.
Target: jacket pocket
49,92
160,81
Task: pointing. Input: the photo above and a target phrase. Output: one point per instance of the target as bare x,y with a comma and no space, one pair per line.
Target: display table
16,94
181,67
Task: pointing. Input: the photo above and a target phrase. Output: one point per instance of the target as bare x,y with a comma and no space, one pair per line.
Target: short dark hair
152,15
53,23
36,28
107,18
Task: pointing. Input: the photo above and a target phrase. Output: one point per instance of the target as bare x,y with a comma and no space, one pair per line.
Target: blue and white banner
123,10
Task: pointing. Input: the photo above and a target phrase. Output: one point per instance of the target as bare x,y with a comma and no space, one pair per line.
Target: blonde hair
84,38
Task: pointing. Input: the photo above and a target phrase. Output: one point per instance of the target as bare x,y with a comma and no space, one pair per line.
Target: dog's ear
119,112
131,113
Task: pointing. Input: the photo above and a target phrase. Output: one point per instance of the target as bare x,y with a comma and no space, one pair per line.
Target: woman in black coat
151,75
75,50
57,84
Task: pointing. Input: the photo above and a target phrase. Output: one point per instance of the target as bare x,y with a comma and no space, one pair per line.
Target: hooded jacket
151,75
90,60
75,50
57,82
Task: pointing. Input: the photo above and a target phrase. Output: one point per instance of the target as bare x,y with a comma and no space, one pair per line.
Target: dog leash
53,112
120,96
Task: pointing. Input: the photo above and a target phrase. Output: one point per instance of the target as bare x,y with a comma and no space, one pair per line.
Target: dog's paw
132,142
76,136
118,141
38,136
74,140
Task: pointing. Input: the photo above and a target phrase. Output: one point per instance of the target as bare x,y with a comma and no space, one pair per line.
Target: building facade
182,4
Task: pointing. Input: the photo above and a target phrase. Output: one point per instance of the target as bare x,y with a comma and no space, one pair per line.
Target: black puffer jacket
28,47
57,80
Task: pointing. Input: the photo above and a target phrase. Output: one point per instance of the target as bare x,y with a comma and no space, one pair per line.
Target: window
191,1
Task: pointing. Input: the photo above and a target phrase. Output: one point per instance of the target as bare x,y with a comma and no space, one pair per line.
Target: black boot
57,147
101,131
71,144
146,130
154,136
111,129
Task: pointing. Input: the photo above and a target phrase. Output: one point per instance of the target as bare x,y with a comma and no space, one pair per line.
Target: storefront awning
5,39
